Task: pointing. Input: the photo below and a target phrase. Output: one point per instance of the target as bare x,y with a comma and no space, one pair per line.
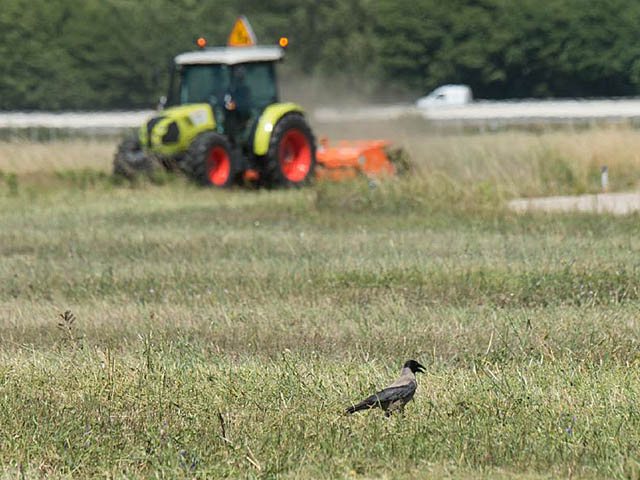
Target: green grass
222,334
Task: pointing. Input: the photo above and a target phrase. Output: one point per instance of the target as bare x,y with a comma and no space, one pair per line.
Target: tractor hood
172,130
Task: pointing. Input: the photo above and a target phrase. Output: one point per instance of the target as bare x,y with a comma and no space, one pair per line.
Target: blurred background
115,54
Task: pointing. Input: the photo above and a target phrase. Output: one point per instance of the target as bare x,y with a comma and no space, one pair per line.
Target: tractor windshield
210,83
204,83
260,81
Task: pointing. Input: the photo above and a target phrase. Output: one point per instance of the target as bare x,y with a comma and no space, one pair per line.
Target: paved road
481,112
615,203
484,112
74,120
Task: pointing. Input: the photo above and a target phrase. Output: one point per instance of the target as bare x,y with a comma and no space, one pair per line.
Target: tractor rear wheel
130,160
291,158
209,161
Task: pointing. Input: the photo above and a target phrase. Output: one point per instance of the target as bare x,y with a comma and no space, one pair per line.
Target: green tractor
223,123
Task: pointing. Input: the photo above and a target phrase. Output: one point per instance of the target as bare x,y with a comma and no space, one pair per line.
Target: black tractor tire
291,158
131,161
210,161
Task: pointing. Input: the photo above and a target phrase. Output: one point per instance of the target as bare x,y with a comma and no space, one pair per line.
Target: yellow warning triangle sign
242,34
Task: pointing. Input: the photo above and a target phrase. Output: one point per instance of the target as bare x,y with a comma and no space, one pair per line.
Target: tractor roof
231,55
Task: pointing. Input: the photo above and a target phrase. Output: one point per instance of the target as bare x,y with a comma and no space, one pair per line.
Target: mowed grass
222,334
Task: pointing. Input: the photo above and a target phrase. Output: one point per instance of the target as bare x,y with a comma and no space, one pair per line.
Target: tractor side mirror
162,101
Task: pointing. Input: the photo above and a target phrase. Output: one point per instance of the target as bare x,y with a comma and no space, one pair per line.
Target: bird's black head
414,366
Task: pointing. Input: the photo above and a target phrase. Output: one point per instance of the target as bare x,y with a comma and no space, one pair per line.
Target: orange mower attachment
349,159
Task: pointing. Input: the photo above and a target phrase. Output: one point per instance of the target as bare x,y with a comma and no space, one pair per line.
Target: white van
446,95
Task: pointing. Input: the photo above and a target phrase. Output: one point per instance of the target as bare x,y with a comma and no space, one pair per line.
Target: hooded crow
396,395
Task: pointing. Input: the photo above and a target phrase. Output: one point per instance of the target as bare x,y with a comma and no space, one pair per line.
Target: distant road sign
242,34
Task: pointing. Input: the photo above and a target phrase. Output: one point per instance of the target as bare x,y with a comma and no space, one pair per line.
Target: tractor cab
239,83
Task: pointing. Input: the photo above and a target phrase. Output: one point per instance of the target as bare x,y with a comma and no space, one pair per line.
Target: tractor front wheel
130,160
291,158
209,161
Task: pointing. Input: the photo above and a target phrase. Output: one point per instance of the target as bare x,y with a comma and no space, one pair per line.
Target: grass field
216,334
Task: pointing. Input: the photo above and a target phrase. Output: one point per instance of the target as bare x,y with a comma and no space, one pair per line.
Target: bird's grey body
396,395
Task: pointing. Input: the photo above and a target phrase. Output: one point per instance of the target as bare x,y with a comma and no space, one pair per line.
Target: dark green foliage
115,54
514,49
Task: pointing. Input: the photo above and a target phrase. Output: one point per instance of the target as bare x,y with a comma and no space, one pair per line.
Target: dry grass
526,164
509,163
26,158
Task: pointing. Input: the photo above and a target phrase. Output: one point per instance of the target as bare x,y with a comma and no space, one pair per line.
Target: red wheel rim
218,166
295,155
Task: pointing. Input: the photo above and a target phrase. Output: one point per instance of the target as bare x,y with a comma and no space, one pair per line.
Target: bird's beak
420,368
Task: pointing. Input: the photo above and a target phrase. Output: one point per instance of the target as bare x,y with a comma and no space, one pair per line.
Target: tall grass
37,158
507,164
526,164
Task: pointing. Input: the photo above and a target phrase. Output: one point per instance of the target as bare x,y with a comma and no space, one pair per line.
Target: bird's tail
361,406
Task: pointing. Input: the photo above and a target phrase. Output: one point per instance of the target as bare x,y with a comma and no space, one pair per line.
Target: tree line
115,54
